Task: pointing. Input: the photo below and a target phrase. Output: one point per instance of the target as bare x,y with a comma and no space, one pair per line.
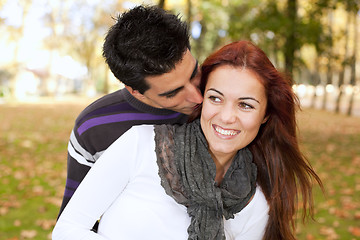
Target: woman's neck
222,164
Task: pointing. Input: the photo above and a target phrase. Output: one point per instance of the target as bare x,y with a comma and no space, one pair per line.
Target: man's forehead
173,81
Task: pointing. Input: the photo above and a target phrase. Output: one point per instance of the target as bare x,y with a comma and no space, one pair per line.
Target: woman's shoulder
138,132
142,129
257,206
133,139
250,222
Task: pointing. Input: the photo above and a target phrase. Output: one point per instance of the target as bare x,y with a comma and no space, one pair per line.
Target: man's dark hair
145,41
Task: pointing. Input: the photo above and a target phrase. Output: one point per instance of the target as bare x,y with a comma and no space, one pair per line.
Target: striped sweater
100,124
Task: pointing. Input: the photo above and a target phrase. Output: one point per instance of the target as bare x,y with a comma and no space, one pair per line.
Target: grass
33,144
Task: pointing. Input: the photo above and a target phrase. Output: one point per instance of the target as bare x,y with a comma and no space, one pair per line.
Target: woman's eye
214,99
244,105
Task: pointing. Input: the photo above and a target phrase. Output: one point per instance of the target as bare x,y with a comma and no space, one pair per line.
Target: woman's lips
225,132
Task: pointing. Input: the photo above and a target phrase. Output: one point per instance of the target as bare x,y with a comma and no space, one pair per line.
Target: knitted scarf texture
187,173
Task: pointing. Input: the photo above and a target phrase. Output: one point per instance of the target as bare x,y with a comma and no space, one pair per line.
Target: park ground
33,143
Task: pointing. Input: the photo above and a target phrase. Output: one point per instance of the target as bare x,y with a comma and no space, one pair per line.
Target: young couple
233,171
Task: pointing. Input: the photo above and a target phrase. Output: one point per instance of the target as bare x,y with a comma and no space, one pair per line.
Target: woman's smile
225,133
233,110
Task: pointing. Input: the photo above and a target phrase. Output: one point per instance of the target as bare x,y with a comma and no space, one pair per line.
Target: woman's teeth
225,132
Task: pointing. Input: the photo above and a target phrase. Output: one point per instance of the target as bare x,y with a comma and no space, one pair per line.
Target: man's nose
194,94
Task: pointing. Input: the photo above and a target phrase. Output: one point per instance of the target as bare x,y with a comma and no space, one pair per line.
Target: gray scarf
187,173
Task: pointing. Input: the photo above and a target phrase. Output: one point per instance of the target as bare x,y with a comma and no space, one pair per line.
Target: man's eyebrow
195,70
171,92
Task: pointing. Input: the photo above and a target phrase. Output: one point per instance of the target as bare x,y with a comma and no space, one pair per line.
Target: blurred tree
291,43
15,33
210,21
343,67
78,29
352,63
329,39
161,3
350,7
311,33
189,12
2,3
55,19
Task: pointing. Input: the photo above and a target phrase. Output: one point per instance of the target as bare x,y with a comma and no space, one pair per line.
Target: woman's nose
228,114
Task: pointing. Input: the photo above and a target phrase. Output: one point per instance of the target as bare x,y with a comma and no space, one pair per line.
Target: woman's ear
265,119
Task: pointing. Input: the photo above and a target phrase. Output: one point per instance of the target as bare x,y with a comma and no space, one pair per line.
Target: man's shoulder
113,114
121,107
104,104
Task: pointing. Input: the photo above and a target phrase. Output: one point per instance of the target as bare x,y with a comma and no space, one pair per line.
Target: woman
234,172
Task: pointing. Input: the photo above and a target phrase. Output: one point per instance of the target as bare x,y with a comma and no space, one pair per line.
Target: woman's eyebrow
213,89
241,98
249,98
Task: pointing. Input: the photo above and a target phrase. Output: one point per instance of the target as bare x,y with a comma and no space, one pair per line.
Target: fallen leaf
17,223
310,237
355,231
46,224
28,233
329,233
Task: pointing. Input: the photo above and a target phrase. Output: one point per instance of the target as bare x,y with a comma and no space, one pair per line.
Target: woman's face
233,109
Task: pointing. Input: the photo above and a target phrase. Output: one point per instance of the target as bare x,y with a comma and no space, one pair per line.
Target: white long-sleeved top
123,189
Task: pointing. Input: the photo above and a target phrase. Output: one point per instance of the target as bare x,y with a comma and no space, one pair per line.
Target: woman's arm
99,189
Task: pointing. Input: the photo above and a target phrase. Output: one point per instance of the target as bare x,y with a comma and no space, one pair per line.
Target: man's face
177,90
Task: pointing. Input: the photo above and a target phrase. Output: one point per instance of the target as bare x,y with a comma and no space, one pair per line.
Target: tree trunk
189,12
353,68
329,72
19,34
290,44
343,65
315,81
106,81
161,3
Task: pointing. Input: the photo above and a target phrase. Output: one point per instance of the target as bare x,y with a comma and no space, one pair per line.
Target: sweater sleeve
99,189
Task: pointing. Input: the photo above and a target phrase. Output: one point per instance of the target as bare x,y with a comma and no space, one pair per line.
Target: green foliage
213,17
281,28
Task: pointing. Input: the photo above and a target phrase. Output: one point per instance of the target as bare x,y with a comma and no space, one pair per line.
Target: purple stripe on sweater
69,192
72,183
122,117
70,188
113,109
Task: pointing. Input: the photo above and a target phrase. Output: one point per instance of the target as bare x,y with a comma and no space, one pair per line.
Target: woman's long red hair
283,171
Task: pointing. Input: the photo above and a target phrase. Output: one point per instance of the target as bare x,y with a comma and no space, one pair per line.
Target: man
148,50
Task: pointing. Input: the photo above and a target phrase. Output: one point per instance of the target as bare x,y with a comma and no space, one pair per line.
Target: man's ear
134,92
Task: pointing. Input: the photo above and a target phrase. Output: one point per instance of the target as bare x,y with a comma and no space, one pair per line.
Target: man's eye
171,95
